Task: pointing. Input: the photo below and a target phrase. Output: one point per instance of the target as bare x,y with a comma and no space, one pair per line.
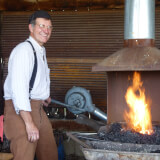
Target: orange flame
139,116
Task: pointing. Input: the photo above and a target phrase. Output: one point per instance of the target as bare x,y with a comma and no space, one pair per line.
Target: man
25,122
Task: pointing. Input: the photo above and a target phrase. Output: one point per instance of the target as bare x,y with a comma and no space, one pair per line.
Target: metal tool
78,100
77,140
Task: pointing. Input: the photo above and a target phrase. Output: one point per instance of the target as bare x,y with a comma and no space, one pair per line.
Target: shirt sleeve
20,67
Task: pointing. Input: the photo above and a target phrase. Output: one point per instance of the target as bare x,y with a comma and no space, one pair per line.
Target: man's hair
39,14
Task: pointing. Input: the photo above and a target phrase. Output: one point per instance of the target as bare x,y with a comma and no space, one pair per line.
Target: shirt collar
35,43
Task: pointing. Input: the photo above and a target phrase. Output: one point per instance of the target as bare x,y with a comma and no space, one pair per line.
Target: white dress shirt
20,68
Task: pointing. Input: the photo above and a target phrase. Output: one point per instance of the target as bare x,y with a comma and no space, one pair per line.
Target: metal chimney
139,19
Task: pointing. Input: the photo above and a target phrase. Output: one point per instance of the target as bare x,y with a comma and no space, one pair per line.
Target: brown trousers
15,131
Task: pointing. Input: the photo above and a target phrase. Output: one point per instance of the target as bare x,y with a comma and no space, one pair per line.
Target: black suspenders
31,83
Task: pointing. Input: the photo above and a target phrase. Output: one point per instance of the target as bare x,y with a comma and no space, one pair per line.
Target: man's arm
31,129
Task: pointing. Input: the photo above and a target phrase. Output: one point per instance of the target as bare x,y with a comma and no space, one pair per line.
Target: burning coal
117,133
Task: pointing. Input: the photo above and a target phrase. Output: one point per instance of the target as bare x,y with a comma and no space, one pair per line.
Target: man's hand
31,129
46,102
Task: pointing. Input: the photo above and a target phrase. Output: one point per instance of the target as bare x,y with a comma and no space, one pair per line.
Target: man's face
41,31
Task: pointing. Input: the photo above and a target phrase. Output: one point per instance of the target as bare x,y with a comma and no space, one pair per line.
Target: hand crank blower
78,100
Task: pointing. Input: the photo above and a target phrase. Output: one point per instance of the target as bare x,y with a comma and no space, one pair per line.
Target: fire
139,116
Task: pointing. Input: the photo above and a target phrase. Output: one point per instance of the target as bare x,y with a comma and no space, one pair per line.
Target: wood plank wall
79,40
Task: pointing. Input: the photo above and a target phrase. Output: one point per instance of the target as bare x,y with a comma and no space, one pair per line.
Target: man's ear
30,28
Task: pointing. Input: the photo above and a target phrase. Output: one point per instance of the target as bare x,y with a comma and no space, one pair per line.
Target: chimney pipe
139,19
